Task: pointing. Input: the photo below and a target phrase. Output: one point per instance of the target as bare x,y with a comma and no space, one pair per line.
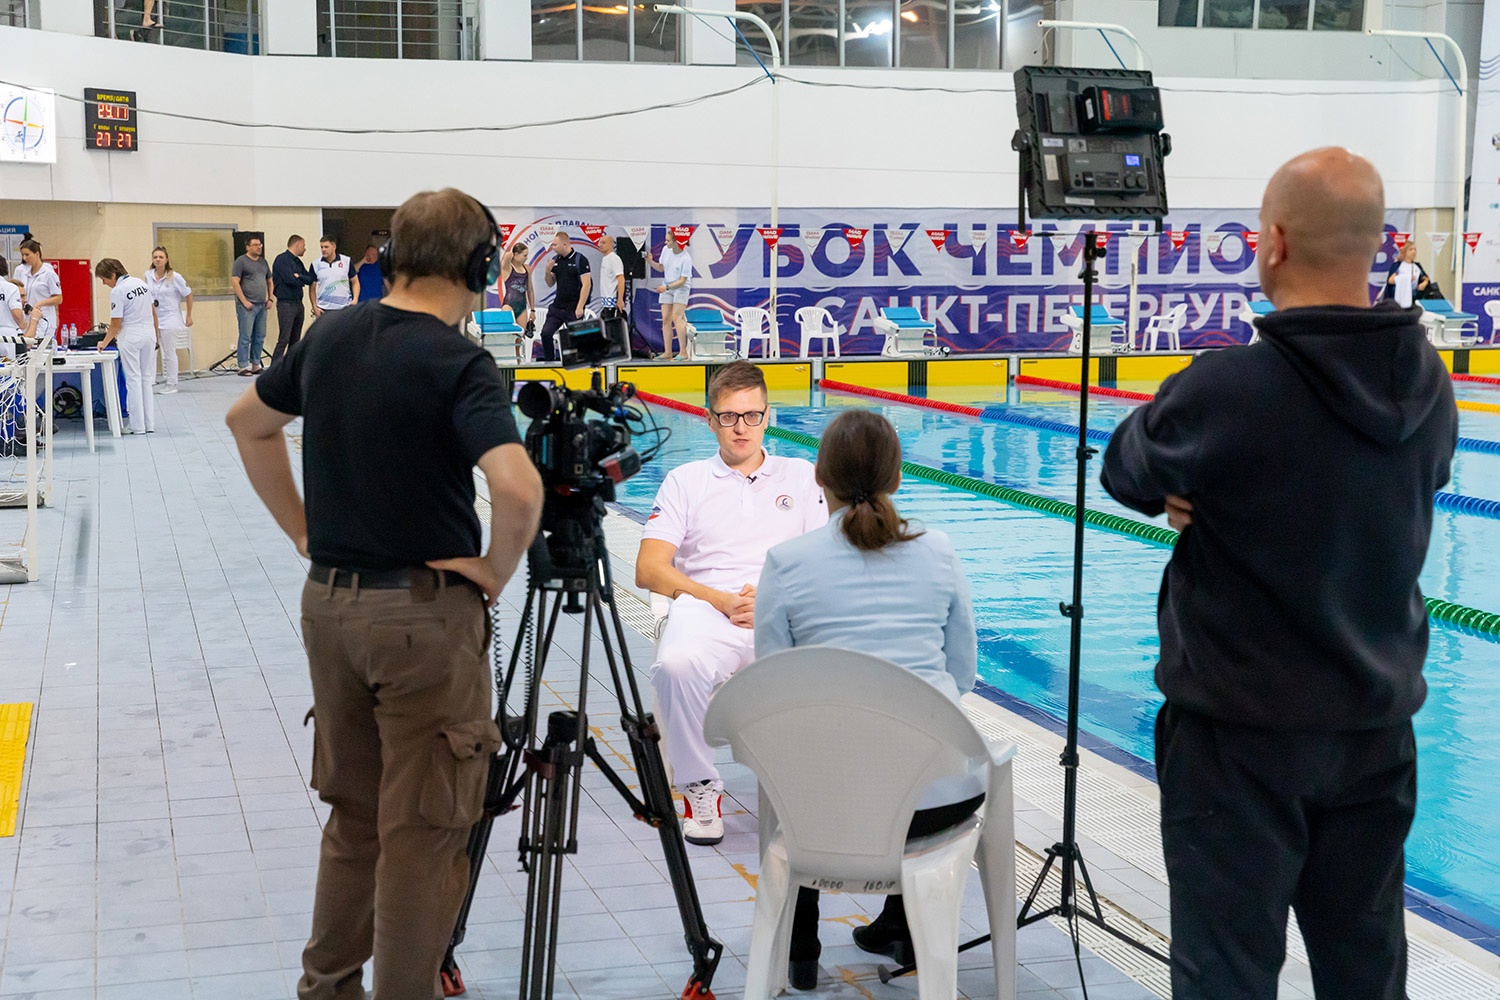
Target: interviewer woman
869,582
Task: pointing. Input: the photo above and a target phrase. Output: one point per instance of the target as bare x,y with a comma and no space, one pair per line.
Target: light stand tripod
541,766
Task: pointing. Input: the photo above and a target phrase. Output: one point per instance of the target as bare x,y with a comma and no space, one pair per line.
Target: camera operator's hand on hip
1179,513
478,570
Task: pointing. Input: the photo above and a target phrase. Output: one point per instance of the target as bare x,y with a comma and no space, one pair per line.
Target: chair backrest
814,316
879,734
753,320
1492,309
1098,314
902,314
1176,318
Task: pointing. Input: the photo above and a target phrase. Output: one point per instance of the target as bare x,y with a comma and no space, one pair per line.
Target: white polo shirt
169,292
130,303
42,284
333,282
10,298
723,523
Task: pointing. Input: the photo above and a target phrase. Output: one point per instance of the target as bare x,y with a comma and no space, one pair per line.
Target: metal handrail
394,29
215,25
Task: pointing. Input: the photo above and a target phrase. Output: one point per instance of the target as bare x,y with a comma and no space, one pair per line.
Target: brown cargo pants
401,750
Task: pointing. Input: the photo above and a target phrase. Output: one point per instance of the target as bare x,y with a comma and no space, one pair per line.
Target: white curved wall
840,145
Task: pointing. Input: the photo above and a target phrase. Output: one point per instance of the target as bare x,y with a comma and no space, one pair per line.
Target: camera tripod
539,770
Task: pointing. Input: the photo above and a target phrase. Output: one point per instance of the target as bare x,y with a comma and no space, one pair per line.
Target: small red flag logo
506,228
939,238
855,236
592,233
769,235
1473,240
1178,238
1252,240
683,233
1401,239
1019,239
1101,238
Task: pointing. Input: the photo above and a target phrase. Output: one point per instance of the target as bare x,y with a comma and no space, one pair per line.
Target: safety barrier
1483,623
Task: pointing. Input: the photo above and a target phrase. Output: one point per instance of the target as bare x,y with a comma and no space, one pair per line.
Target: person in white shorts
169,293
704,544
132,319
333,291
676,266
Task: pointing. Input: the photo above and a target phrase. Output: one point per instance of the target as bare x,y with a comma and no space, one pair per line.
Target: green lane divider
1483,623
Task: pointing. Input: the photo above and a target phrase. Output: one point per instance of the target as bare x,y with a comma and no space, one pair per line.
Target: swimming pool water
1020,565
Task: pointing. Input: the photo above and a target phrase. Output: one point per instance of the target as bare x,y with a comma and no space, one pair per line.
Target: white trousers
698,650
138,361
171,338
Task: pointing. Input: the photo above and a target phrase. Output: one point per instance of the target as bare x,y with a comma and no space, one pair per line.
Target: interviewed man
393,610
568,272
1301,473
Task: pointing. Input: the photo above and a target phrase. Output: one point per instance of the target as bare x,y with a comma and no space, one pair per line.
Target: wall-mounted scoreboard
109,120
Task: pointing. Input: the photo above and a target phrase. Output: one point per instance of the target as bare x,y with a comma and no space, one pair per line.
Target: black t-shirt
397,408
569,272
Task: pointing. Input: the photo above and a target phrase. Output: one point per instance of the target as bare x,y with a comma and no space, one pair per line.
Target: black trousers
924,823
1255,821
556,317
289,316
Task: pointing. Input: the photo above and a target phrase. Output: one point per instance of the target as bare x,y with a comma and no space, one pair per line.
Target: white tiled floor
167,841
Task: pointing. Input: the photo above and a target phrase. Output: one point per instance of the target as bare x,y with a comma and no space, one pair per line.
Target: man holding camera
703,546
394,607
568,272
1301,473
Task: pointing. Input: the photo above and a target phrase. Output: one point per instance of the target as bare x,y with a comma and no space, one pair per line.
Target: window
923,30
390,29
554,29
606,32
603,31
812,37
1271,15
13,13
657,36
976,34
869,29
770,11
203,254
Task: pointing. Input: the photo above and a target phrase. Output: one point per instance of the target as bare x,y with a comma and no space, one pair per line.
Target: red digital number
126,140
101,138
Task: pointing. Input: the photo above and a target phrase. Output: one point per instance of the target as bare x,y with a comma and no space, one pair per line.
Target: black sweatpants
289,317
1255,821
556,317
924,823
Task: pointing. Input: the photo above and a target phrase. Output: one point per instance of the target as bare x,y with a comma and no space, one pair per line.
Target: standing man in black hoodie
1300,472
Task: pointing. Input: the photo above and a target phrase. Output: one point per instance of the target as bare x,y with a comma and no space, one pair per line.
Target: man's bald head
1322,220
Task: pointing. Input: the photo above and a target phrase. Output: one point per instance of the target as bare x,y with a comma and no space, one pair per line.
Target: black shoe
879,939
803,975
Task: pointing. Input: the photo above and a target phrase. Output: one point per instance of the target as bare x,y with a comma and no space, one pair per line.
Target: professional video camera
570,450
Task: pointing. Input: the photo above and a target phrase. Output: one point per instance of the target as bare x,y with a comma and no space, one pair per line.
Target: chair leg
996,859
934,894
774,904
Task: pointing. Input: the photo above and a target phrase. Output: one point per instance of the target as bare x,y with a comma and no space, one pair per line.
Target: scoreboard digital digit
109,120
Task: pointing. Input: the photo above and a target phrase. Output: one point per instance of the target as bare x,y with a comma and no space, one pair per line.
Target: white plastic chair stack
1169,324
755,324
817,324
881,736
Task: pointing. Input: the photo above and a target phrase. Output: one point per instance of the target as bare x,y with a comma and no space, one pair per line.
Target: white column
76,17
709,41
504,30
289,27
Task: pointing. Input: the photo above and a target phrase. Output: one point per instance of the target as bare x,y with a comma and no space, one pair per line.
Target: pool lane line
1464,404
1101,390
1455,502
1482,623
1482,379
15,728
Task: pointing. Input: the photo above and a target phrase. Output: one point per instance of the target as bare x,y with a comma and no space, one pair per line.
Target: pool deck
167,840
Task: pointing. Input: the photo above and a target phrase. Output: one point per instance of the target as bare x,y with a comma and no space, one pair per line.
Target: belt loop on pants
353,585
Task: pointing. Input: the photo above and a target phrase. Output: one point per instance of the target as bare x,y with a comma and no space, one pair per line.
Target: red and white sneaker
703,823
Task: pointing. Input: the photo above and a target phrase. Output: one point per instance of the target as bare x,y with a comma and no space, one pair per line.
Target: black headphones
480,270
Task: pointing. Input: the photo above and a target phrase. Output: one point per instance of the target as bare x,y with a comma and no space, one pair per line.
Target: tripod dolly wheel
453,980
694,990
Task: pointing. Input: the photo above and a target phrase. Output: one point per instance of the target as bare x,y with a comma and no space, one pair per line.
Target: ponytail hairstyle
859,463
108,267
31,245
164,254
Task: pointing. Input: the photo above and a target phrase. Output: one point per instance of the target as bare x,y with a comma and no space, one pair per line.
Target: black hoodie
1310,458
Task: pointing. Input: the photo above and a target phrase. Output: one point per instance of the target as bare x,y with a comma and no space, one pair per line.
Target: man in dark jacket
1301,472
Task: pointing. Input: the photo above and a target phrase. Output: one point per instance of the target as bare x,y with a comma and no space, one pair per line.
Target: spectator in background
132,319
290,276
676,266
12,319
611,275
515,284
1406,282
332,272
41,291
568,270
169,293
368,281
251,278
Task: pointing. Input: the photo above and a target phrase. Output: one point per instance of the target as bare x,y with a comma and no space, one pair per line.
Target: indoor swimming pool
1020,565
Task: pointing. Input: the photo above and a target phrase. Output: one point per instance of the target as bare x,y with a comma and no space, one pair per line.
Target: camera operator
397,409
568,271
704,545
1301,473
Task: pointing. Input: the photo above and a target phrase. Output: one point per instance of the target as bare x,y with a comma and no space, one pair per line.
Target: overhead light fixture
909,15
882,27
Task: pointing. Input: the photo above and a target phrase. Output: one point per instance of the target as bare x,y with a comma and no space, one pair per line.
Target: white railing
22,436
394,29
217,25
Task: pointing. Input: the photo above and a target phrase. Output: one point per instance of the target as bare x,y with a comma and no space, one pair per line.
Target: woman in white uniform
170,293
12,319
132,320
913,609
41,289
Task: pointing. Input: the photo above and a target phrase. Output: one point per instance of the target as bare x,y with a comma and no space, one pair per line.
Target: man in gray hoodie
1301,472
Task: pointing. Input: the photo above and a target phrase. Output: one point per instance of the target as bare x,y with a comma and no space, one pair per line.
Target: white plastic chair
881,736
817,324
1492,310
755,324
1170,324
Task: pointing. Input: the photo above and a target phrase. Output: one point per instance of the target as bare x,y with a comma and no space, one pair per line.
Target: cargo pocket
319,770
453,794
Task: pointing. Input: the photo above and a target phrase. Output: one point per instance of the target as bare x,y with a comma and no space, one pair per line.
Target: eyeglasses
751,418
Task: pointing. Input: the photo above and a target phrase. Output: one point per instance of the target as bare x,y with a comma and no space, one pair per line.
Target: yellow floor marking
15,728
